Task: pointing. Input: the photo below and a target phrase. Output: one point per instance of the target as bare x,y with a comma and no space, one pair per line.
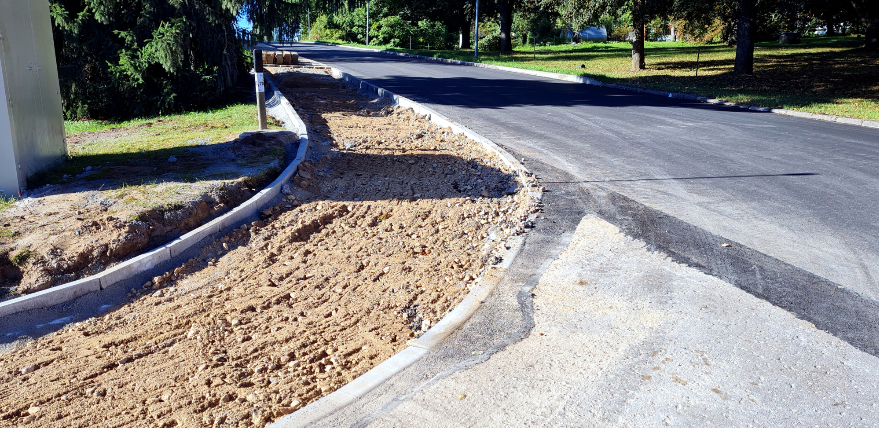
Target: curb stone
481,290
590,81
278,107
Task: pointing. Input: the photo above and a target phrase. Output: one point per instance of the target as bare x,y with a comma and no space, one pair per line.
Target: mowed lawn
829,75
102,143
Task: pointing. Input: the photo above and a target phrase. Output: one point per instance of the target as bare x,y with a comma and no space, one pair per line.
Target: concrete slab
627,337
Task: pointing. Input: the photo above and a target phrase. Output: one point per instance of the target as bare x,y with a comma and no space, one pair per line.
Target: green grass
5,203
164,132
828,75
21,257
6,233
148,139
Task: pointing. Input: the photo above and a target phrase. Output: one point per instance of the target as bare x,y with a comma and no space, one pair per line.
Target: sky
243,23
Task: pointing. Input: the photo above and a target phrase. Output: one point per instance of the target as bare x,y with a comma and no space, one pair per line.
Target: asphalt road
795,198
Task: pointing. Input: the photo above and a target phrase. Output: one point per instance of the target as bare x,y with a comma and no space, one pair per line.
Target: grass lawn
99,143
5,203
828,75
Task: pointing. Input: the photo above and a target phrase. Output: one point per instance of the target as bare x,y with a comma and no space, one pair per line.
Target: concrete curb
590,81
484,286
280,108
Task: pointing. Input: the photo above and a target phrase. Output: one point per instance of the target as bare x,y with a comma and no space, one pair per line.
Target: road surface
795,199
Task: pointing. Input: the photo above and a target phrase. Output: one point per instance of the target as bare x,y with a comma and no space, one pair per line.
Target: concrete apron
627,337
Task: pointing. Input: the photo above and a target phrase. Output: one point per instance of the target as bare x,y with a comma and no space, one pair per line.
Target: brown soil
373,246
66,232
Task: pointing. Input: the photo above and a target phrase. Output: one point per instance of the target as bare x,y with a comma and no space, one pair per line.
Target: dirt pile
70,231
382,234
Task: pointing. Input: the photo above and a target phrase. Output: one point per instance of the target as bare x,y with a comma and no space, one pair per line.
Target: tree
638,30
505,13
156,55
744,42
868,10
641,12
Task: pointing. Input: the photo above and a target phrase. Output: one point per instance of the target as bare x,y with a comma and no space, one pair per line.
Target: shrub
489,36
393,31
21,257
431,33
121,59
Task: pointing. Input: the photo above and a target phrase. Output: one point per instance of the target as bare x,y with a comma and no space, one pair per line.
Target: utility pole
309,22
476,42
260,88
367,23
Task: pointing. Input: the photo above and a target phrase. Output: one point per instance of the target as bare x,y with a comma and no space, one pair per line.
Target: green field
828,75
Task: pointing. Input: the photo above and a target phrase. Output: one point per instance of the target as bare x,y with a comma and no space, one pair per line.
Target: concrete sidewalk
627,337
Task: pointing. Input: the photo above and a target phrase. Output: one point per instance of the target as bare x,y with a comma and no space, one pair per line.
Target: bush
489,36
392,31
325,28
352,25
432,34
620,33
142,57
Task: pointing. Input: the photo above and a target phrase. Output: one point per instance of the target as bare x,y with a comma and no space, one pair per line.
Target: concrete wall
31,120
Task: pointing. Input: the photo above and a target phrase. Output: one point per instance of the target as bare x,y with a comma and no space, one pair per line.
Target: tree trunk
744,42
465,36
872,34
505,9
831,24
638,40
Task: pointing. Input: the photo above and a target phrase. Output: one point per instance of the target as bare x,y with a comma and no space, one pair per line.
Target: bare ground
381,235
108,213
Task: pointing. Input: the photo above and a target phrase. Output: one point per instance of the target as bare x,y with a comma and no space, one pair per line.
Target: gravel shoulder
380,234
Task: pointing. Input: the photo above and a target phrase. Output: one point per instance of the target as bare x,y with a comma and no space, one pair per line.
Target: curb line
139,264
485,284
590,81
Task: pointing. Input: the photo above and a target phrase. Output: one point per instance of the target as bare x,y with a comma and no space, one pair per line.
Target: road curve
782,207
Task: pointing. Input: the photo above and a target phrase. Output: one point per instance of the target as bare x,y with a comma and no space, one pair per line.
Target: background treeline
126,58
119,59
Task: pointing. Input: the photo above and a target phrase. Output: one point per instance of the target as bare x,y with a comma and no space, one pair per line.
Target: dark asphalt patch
830,307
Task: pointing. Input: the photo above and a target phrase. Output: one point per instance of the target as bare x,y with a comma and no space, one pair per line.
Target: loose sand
381,234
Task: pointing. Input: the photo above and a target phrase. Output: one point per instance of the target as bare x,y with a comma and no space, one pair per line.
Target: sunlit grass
101,143
5,203
828,75
165,132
